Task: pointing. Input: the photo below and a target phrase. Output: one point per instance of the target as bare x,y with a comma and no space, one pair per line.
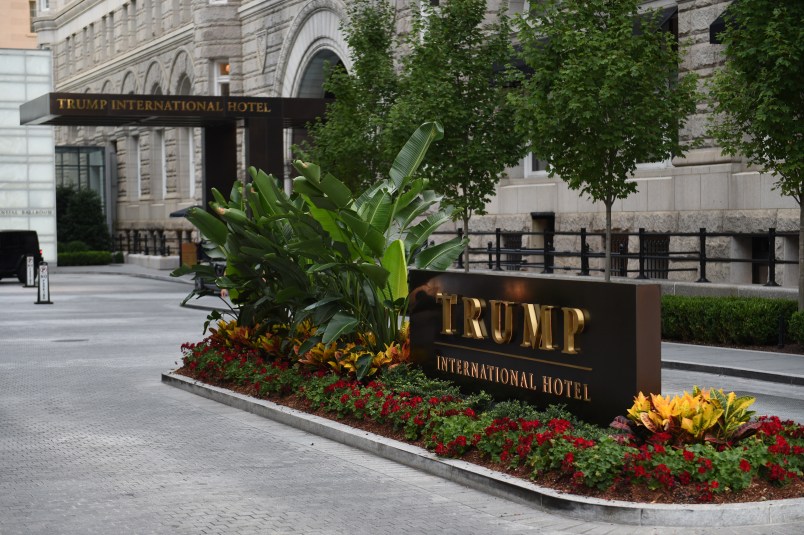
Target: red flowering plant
662,457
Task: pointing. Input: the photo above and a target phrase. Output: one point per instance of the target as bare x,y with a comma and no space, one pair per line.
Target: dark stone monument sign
589,345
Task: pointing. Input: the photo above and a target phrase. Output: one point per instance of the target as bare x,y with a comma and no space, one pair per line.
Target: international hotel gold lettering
537,323
494,319
166,105
554,386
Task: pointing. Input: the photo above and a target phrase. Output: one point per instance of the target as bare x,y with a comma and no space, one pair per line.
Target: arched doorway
311,85
312,81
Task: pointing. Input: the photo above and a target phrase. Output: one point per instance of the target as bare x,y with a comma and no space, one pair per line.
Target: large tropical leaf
441,256
395,264
419,233
406,214
376,211
412,154
210,226
336,191
339,325
272,198
378,275
363,230
308,170
363,365
329,222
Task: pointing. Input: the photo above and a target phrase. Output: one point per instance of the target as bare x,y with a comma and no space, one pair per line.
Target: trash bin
189,253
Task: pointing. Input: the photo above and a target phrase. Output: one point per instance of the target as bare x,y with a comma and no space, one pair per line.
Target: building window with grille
132,23
134,167
656,250
32,14
44,5
158,165
82,168
221,78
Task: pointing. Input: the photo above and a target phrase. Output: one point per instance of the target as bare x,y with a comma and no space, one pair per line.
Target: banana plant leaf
412,154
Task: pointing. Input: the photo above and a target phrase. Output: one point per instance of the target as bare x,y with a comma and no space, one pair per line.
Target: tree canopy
450,72
757,96
603,96
352,142
79,217
455,74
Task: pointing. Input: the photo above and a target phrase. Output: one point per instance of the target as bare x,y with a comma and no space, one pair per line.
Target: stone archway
314,39
181,74
311,83
129,84
314,34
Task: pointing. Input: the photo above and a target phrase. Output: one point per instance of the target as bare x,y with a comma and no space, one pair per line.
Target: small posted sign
30,277
43,295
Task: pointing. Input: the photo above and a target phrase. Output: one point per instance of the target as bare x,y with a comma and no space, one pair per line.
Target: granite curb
732,371
502,485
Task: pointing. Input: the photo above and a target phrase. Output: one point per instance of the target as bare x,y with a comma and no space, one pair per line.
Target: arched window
312,81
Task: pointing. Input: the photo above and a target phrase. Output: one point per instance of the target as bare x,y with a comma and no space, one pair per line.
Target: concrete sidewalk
786,368
768,366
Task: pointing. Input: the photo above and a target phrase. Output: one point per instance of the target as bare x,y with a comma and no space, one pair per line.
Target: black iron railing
652,258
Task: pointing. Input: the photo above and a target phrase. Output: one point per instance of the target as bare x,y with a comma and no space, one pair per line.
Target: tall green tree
758,98
603,97
350,143
453,75
79,217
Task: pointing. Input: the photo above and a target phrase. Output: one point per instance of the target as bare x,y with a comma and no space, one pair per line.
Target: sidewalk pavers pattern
92,442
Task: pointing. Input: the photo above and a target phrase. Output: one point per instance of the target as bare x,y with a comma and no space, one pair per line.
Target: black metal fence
155,242
652,258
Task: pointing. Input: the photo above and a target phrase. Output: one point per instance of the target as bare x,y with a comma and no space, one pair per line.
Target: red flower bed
556,452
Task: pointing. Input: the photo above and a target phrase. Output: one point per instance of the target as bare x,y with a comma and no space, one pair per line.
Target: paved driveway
92,442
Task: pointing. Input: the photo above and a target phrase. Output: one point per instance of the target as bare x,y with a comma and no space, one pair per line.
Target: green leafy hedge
85,258
726,320
795,329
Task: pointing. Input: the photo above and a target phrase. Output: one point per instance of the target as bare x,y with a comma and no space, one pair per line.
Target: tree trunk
607,263
801,256
466,248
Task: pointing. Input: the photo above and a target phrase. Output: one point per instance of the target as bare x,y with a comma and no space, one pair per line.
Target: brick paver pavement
92,442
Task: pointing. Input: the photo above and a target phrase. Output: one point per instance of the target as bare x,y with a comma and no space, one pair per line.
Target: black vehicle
15,247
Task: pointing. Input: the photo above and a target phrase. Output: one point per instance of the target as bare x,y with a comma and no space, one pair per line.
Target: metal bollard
30,277
43,295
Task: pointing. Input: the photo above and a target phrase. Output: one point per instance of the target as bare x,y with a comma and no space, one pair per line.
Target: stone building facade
705,189
278,48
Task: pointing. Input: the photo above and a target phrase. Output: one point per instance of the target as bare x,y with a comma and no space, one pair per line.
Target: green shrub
118,258
72,247
724,320
85,258
79,216
795,329
411,379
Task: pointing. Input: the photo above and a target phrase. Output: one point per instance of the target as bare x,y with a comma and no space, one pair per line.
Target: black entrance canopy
263,118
